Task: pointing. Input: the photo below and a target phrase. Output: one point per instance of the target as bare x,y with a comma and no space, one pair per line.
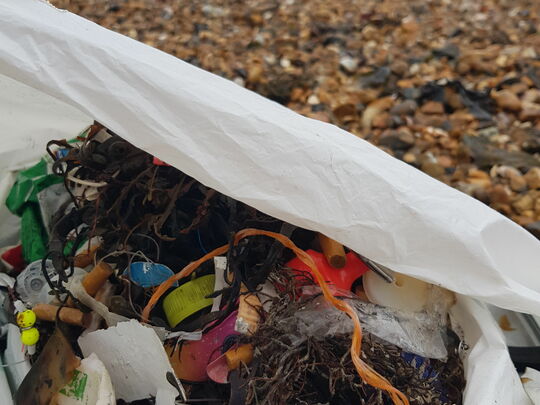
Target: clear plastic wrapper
421,333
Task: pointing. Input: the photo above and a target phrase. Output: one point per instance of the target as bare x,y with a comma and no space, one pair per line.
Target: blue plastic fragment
428,372
60,153
417,362
148,274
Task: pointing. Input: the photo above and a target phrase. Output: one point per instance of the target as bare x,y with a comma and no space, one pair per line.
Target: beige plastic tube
71,316
333,251
94,280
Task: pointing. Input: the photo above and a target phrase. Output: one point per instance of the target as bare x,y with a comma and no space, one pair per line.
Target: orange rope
366,373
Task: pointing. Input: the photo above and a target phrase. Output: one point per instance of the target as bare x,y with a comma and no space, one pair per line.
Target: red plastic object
14,258
159,162
343,278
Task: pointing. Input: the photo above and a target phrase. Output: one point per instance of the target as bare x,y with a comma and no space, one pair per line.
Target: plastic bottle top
32,287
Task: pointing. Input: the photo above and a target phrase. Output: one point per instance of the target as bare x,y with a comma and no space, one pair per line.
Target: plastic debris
71,316
76,288
218,370
23,201
12,259
135,359
333,251
148,274
449,89
53,369
179,285
343,277
420,333
404,293
191,358
32,285
95,279
531,382
188,299
91,384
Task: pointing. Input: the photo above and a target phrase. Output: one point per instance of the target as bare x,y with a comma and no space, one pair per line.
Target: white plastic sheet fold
28,120
303,171
490,374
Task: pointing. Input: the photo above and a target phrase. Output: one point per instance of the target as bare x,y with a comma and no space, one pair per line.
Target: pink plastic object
218,370
343,278
195,356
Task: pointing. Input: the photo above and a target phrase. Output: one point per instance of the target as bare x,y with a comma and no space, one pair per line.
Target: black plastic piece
525,357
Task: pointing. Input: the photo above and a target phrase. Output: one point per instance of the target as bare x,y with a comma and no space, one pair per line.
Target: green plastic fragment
33,234
28,184
22,201
77,386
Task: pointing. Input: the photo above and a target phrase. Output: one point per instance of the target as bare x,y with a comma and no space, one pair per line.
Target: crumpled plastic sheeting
489,371
420,333
300,170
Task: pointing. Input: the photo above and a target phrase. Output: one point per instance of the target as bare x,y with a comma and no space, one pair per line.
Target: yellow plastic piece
188,299
26,319
29,337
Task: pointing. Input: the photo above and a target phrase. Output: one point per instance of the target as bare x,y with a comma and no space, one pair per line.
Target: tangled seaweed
293,369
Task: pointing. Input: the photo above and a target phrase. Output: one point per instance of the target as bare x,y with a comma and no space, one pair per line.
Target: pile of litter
135,283
452,88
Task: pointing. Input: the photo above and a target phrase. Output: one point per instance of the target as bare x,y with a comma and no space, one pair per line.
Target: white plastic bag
302,171
490,374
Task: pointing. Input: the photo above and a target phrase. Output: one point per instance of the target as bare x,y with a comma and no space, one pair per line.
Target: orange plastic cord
366,373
